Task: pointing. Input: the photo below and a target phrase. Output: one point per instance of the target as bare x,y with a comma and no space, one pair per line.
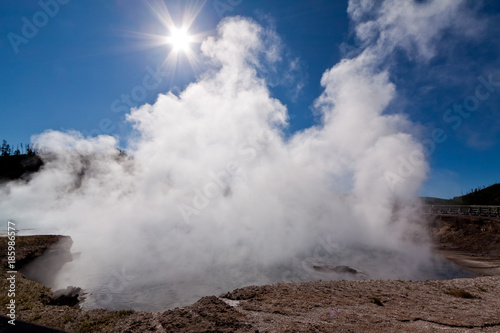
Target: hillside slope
488,196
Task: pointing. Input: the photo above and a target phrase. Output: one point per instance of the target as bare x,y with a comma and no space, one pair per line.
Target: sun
180,39
179,36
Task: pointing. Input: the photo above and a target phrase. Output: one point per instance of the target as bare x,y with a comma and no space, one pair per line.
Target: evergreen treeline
7,150
19,161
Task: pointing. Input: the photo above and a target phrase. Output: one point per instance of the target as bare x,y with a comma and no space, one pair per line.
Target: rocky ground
469,241
460,305
28,248
477,235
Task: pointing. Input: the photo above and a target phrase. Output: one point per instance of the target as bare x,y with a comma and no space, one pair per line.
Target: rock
69,296
326,268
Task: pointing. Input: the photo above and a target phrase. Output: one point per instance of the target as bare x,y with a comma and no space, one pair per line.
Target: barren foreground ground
461,305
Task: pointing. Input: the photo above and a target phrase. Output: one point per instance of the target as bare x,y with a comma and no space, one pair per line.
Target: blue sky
73,72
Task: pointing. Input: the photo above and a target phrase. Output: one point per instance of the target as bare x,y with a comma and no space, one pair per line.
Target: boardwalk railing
462,210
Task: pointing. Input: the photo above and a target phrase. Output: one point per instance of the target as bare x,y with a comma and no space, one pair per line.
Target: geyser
210,195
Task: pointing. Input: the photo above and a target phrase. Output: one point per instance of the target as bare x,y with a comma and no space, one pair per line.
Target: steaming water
129,288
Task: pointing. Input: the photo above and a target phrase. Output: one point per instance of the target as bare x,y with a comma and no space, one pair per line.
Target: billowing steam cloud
209,182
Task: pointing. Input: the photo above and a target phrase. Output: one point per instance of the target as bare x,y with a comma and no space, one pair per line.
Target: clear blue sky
73,71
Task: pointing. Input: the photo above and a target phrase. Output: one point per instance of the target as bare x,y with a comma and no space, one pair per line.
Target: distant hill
437,201
486,196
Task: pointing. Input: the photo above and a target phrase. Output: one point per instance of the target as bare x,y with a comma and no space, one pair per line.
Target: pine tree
29,150
17,152
5,150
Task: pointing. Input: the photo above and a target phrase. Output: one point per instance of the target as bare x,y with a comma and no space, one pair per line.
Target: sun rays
179,39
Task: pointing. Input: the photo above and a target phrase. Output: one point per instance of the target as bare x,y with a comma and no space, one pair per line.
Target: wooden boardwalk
492,211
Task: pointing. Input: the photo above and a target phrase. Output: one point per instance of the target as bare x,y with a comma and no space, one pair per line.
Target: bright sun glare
179,36
180,39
